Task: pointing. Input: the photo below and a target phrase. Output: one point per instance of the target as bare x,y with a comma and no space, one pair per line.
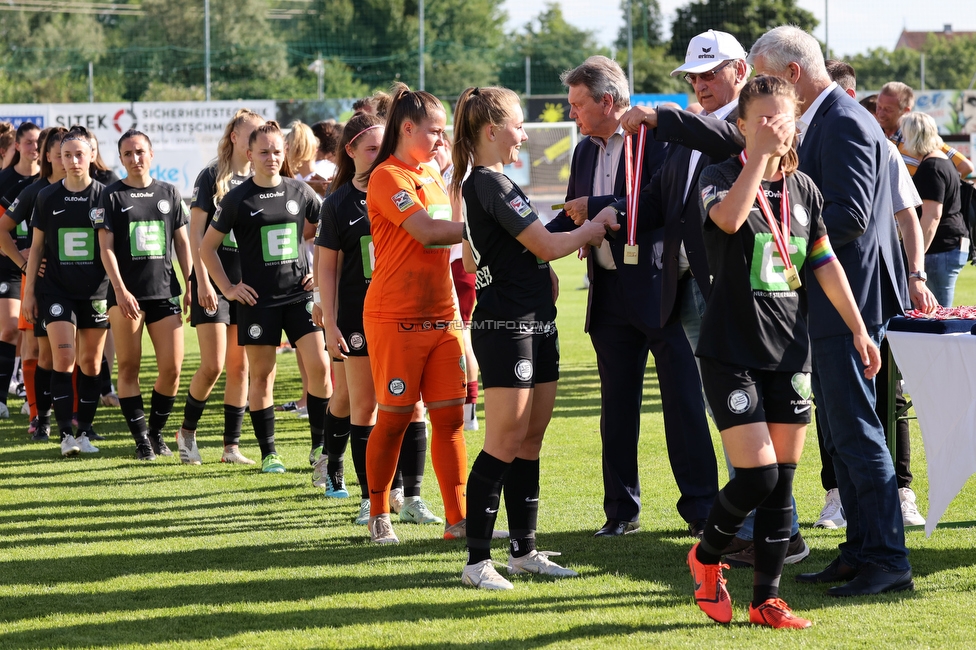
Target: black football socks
774,522
413,455
522,505
483,494
358,439
740,496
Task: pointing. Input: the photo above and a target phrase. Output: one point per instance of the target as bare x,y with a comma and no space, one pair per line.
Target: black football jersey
143,221
511,282
205,198
11,186
344,226
74,265
268,223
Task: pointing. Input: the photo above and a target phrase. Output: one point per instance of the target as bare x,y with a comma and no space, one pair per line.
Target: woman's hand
206,294
335,343
127,303
243,294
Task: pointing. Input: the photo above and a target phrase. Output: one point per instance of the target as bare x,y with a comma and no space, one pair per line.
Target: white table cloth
940,376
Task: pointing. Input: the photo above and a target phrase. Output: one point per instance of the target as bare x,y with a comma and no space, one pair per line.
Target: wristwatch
919,274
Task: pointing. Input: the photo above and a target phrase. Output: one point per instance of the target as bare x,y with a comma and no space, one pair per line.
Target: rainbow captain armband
821,253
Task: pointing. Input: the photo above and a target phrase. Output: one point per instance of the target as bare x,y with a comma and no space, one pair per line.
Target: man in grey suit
843,150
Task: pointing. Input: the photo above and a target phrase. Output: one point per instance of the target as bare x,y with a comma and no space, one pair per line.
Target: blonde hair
902,92
475,108
301,145
920,133
225,151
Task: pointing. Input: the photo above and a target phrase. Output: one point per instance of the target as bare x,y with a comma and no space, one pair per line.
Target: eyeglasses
693,78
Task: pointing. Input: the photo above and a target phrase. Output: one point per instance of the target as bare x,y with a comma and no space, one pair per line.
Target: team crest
56,310
739,401
402,200
292,207
4,287
357,341
100,306
308,306
210,312
164,206
523,370
255,331
397,387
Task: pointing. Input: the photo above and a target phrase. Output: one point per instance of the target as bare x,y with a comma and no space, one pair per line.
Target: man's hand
577,209
922,298
636,116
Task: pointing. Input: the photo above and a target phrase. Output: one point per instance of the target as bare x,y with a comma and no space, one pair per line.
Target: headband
74,136
368,128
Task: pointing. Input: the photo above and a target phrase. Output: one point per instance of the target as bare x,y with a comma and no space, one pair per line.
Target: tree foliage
258,49
553,45
747,20
949,64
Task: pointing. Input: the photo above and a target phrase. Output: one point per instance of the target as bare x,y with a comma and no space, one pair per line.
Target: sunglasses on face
693,78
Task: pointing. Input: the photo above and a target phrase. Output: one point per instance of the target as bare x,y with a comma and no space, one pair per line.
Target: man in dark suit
843,150
623,314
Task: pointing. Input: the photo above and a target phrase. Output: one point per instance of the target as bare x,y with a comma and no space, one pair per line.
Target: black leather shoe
873,579
836,571
697,528
617,527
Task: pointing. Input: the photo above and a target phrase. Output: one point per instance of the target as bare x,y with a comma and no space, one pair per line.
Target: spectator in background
7,135
946,239
896,100
377,104
870,103
328,133
301,150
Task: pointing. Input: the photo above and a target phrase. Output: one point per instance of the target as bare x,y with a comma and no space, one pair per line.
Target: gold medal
630,254
792,278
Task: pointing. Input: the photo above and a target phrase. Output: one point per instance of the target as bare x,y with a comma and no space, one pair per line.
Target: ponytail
475,108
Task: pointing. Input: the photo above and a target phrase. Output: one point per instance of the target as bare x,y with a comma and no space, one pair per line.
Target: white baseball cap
707,50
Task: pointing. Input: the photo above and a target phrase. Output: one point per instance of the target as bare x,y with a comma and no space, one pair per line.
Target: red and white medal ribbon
780,237
634,163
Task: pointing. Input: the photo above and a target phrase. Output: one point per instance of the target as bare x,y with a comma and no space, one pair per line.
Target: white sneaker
69,446
319,474
909,509
470,417
381,530
25,409
85,446
832,516
363,518
538,562
186,444
4,411
415,511
396,500
484,576
232,454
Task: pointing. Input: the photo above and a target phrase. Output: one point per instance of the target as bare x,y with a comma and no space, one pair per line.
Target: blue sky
854,25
